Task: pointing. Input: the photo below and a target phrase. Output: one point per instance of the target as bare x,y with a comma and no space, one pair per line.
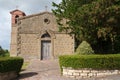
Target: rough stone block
65,73
65,70
90,75
84,74
5,76
76,74
107,73
70,74
94,71
114,72
72,71
86,71
78,77
94,74
118,72
0,77
8,76
100,74
80,71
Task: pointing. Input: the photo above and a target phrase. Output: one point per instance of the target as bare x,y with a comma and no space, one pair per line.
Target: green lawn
25,65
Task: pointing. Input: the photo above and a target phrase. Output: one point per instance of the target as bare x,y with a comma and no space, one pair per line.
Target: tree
69,10
3,52
90,20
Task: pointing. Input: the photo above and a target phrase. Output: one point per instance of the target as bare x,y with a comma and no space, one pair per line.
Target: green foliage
90,20
86,17
10,64
84,48
102,62
4,53
117,44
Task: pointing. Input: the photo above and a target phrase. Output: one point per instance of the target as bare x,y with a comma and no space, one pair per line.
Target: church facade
37,36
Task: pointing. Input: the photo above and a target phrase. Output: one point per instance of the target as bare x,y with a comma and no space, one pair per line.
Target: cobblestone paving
49,70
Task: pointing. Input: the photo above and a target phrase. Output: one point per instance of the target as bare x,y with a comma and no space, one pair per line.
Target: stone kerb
8,75
87,73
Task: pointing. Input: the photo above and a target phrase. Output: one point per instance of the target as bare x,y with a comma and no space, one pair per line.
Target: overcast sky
27,6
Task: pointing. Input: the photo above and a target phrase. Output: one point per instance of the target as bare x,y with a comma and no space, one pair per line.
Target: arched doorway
46,46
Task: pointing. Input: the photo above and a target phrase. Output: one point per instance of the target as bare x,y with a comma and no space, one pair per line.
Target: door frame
50,53
40,39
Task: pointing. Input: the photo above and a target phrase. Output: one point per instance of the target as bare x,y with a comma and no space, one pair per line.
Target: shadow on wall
26,75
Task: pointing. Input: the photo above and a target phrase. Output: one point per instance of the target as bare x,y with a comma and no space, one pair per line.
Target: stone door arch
46,46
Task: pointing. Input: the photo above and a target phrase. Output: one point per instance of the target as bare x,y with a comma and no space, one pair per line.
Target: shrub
10,64
104,62
4,53
84,48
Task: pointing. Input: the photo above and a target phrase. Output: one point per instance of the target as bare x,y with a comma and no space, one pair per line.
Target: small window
16,18
47,21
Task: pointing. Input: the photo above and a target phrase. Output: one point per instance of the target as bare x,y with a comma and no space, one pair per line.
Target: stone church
37,36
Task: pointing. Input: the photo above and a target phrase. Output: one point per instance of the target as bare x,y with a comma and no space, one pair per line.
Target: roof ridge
24,17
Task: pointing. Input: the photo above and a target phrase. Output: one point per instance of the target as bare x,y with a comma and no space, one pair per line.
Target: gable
17,12
38,22
39,14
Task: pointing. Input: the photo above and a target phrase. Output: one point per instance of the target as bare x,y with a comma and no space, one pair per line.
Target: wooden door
45,50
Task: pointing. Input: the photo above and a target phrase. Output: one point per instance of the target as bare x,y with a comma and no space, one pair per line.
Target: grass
25,65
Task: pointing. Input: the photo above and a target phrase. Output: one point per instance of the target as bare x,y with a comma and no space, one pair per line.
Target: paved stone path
49,70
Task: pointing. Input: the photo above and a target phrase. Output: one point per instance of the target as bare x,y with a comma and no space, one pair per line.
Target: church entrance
45,50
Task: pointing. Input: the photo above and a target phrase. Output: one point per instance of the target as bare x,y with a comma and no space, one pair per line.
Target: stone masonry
37,36
87,73
8,75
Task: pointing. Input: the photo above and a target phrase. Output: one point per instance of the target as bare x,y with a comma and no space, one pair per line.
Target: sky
27,6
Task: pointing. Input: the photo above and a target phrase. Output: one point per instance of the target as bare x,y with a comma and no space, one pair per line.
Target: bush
104,62
10,64
84,48
4,53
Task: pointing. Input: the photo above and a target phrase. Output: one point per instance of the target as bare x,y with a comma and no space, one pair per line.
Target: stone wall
13,44
87,73
8,76
29,47
63,44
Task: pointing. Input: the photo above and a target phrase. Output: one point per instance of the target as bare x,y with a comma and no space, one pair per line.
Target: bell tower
15,15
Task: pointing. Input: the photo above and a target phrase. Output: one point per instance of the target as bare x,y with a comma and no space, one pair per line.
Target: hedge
104,62
10,64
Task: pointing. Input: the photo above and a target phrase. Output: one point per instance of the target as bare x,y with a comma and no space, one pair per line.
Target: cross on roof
17,7
46,7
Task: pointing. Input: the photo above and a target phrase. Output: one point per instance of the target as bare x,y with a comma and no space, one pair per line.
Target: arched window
16,18
46,35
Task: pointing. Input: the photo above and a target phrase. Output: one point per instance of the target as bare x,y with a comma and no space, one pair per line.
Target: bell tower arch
15,15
